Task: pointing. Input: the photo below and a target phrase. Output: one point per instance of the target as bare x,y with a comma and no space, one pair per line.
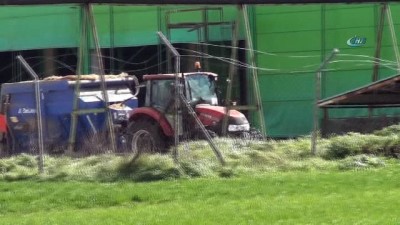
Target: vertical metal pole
381,24
109,122
206,36
179,96
112,41
317,98
49,65
38,111
256,87
177,92
394,38
168,38
375,72
159,46
315,112
232,73
82,51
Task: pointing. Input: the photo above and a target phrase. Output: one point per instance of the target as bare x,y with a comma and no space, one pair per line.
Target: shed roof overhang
379,94
160,2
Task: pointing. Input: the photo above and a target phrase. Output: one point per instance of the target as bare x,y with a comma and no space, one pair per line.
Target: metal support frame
254,75
88,18
198,26
394,38
179,96
38,111
112,39
82,51
177,92
375,73
317,98
256,86
231,75
103,84
205,132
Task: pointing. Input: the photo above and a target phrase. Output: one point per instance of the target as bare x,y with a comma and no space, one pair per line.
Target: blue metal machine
57,96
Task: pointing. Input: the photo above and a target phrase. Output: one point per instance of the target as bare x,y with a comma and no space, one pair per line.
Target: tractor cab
197,87
200,88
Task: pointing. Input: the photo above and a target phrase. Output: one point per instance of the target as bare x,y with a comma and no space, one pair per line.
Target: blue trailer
18,108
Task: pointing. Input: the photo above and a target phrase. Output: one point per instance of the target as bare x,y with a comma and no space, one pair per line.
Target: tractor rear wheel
146,137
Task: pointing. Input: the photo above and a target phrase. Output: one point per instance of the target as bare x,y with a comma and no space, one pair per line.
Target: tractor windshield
201,89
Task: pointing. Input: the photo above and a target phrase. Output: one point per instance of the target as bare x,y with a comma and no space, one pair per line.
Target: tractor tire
146,137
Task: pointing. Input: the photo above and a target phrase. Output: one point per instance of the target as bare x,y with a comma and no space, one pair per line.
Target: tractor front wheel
146,137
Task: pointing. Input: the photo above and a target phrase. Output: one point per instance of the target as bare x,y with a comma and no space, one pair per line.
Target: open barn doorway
137,60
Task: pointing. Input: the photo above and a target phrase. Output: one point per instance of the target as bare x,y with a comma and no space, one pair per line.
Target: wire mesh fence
288,115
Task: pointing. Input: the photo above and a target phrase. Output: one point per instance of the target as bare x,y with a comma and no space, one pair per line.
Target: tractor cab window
161,94
201,89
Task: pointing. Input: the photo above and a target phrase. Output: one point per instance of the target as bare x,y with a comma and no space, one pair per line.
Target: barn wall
295,39
59,26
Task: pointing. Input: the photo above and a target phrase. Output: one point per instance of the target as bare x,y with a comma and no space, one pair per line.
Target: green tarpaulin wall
300,37
58,26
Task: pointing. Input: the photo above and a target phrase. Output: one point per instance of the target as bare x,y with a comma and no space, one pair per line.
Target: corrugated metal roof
383,93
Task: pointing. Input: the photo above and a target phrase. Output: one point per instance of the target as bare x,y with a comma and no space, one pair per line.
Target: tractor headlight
243,127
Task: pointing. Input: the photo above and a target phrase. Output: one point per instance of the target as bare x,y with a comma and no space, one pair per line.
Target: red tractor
152,124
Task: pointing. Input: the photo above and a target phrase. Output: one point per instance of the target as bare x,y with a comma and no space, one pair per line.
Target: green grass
196,159
368,196
352,180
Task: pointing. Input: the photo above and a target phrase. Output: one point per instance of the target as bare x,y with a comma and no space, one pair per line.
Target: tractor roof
168,76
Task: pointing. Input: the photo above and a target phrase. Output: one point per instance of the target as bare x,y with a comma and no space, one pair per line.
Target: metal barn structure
290,41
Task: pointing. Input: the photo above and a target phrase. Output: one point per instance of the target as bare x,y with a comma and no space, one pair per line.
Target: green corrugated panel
357,16
133,25
335,7
361,112
279,30
287,94
288,118
388,112
387,38
215,32
287,87
290,42
278,23
337,82
385,72
35,27
293,9
348,112
291,62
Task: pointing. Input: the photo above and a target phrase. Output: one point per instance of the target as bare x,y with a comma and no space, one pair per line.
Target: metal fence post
317,98
38,112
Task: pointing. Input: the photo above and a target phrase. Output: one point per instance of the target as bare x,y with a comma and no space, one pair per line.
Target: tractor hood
211,115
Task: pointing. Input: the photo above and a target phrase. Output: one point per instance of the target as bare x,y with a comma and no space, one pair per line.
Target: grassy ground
353,179
367,196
